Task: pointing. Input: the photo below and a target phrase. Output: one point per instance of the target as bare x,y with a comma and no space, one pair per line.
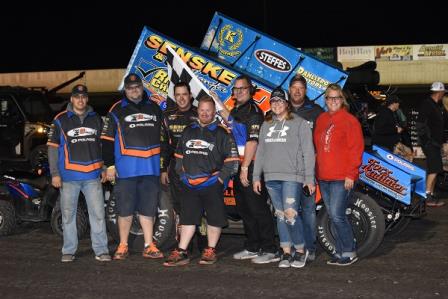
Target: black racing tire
367,221
164,233
38,153
398,226
7,217
82,218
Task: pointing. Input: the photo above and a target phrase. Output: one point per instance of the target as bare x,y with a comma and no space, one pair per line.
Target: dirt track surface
412,265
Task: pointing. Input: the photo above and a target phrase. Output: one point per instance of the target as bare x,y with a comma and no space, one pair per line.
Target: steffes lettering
380,174
273,60
195,62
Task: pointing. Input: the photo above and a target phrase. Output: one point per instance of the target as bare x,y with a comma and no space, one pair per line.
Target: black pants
257,217
176,186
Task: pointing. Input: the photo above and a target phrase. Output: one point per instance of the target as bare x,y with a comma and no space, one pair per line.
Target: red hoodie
339,146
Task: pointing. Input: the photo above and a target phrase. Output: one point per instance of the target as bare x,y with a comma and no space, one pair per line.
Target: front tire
7,217
38,154
367,221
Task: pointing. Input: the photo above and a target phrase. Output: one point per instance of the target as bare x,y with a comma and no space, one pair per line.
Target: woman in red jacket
339,146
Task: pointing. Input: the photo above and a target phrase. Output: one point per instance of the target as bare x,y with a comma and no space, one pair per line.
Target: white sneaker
266,257
245,255
300,259
286,261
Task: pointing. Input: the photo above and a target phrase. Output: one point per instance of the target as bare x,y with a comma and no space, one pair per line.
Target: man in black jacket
430,131
246,119
308,110
387,129
206,159
176,120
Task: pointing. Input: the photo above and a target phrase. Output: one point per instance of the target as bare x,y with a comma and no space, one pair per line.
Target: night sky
75,35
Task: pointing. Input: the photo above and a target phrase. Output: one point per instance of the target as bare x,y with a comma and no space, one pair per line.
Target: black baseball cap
79,89
279,94
132,78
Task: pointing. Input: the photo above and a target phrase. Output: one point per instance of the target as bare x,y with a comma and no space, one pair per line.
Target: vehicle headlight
41,129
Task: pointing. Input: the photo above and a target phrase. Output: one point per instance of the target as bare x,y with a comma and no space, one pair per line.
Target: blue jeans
335,197
308,213
93,193
289,225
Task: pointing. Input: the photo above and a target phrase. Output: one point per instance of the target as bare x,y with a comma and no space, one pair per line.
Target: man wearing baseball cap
430,133
132,138
74,154
308,110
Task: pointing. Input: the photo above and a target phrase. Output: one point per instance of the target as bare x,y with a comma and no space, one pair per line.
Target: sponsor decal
400,161
382,175
273,60
313,80
81,131
231,40
139,117
195,62
155,78
199,144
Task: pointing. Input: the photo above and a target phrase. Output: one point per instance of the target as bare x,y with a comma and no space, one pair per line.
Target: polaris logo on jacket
199,144
140,120
139,117
81,132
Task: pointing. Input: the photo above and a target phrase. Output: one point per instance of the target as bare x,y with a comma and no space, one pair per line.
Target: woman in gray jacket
285,156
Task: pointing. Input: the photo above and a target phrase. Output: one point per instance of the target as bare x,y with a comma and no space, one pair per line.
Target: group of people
282,153
389,132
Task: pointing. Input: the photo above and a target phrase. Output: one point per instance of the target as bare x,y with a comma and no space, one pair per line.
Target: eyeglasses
333,98
239,88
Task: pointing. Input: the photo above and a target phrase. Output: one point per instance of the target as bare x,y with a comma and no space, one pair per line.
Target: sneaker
285,261
346,261
122,252
311,256
105,257
152,252
333,260
66,258
178,257
300,259
266,257
432,201
245,255
208,256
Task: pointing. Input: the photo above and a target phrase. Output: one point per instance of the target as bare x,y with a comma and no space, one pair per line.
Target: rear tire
164,226
367,221
82,218
7,217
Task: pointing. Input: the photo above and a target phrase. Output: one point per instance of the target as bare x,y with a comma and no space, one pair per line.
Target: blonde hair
336,87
